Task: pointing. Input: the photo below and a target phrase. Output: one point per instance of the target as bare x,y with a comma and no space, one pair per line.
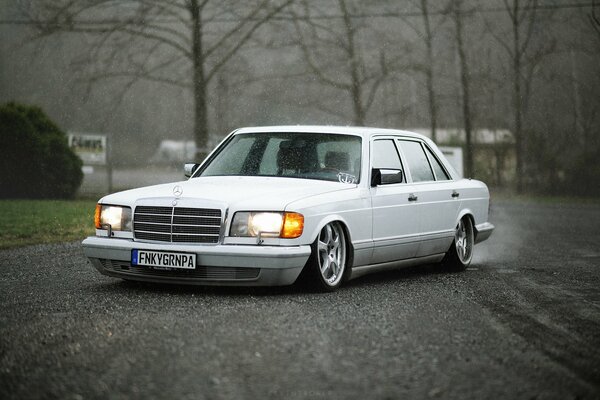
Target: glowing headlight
119,218
268,224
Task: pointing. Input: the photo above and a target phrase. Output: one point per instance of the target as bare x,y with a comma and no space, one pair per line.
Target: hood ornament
177,191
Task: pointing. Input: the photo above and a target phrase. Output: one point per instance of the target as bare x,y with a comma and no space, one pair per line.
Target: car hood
235,192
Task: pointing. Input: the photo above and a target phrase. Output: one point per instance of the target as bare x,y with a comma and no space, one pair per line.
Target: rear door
437,201
395,217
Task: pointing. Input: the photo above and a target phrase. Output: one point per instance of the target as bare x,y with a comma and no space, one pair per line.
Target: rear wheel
460,254
327,265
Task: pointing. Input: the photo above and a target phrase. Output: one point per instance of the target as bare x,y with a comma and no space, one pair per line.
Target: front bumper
221,264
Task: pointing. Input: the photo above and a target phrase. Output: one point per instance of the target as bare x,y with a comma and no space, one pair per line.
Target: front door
395,216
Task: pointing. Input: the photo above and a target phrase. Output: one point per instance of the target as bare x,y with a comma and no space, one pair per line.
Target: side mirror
189,169
391,176
386,176
375,177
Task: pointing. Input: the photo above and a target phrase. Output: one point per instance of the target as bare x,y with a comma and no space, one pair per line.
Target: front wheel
460,253
327,265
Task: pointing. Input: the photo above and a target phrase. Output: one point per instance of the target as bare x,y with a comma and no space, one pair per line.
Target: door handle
455,194
412,197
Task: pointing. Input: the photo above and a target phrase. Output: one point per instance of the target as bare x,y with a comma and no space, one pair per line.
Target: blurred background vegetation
35,160
515,83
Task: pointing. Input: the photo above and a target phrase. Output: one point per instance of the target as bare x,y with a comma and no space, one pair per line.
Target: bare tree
183,43
595,17
427,34
457,13
332,51
524,59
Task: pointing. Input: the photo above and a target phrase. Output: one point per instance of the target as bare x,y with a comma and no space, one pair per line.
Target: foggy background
514,83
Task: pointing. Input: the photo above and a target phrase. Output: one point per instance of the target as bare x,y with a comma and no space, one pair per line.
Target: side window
385,155
387,160
440,172
417,161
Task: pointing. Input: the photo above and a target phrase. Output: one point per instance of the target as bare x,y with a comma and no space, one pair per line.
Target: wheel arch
469,214
465,212
348,236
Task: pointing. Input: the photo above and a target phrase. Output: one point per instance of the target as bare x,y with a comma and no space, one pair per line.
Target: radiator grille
177,224
201,272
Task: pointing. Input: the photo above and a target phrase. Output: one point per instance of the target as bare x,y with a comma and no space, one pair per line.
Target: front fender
326,220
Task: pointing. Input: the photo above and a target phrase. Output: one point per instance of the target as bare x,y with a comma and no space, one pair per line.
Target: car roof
365,132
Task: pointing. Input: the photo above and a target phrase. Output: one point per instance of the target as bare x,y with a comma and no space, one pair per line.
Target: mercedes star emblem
177,191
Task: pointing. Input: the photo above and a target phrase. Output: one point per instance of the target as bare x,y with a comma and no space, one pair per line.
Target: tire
327,266
460,254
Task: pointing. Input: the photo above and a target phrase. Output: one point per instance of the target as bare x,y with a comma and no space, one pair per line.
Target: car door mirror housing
391,176
375,177
189,169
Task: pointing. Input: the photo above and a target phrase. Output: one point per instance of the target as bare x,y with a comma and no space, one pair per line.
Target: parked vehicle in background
272,204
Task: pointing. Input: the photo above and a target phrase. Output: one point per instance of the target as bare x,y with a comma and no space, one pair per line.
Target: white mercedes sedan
273,205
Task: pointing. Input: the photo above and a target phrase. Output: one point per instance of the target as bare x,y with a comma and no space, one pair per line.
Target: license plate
163,259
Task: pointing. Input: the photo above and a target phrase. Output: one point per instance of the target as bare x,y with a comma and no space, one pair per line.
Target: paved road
523,322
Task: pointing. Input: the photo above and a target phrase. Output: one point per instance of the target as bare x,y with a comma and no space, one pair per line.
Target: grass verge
25,222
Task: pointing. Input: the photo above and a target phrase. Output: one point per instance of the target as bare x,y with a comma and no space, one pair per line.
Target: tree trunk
356,89
517,97
359,112
199,85
464,80
429,72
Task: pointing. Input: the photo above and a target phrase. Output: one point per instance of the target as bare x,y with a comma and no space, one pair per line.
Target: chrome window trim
439,162
393,138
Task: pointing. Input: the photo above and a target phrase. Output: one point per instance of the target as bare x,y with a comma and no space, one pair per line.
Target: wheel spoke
322,246
336,243
334,267
327,238
324,265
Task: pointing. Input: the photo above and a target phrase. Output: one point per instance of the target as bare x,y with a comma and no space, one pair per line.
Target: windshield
294,155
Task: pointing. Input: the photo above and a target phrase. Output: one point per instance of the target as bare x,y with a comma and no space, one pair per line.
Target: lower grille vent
201,272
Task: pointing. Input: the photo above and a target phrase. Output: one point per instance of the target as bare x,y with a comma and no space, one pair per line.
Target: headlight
285,225
119,218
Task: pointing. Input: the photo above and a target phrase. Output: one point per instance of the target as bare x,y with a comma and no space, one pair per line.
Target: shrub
35,159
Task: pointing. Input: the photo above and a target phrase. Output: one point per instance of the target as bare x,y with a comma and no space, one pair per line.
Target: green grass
25,222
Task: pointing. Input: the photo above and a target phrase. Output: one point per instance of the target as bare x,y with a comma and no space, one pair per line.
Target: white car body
384,229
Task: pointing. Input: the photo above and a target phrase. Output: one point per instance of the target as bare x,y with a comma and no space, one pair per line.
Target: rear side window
417,161
440,172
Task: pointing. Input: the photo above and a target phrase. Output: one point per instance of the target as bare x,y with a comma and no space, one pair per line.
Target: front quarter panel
351,207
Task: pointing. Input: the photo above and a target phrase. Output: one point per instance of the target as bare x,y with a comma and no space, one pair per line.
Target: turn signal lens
97,216
293,225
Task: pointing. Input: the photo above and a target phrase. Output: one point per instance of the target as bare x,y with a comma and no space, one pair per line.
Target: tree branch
245,38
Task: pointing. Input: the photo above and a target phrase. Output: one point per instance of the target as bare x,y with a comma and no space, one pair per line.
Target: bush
35,159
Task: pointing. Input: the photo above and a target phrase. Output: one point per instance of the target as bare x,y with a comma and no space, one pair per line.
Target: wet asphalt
522,323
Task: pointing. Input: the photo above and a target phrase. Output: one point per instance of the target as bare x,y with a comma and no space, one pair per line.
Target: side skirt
410,262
